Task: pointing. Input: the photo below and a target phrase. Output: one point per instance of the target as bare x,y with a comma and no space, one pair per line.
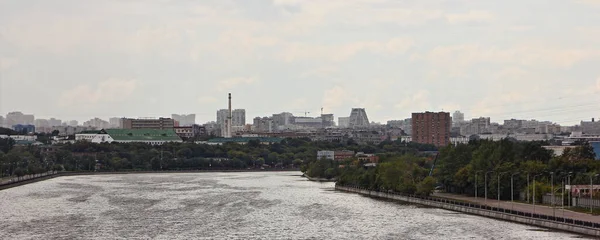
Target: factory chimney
229,120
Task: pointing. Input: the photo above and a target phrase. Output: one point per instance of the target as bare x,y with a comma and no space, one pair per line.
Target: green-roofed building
149,136
243,140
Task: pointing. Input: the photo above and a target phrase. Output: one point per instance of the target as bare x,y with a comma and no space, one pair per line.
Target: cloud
342,52
230,83
206,99
458,59
416,101
6,63
335,97
589,2
469,17
108,91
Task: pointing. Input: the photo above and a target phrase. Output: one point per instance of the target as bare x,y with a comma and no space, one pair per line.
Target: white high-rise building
222,117
14,118
358,118
343,122
115,122
239,117
458,117
184,120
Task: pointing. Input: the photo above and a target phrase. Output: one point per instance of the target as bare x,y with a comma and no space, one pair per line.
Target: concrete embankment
477,211
319,179
61,174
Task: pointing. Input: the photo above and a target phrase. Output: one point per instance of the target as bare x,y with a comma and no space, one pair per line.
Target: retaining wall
477,211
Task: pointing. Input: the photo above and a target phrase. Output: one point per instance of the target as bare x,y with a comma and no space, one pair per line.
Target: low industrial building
149,136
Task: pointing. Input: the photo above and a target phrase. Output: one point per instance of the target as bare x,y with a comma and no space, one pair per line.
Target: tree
425,187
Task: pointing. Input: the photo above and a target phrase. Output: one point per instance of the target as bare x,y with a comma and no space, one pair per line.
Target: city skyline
495,59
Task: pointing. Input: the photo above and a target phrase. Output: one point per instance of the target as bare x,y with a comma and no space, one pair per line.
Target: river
248,205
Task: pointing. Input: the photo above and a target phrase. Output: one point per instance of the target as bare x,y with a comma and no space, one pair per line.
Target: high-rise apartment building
114,122
147,123
184,120
431,128
343,122
14,118
358,118
238,117
458,117
328,120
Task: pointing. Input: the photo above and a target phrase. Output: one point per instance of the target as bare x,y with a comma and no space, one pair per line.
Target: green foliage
458,166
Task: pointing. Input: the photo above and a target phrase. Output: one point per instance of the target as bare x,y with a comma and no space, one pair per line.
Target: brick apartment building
431,128
160,123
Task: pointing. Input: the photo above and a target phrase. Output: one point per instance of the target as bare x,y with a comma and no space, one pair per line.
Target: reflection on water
262,205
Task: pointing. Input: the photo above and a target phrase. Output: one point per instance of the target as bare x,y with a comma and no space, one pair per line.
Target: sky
74,59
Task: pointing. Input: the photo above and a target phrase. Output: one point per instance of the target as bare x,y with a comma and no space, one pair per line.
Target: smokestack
229,118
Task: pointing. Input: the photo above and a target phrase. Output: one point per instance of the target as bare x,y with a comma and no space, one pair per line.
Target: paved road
523,207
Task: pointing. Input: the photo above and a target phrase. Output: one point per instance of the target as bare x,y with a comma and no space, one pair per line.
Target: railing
15,180
488,208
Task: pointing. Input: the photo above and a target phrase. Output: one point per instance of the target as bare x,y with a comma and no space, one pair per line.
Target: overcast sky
75,59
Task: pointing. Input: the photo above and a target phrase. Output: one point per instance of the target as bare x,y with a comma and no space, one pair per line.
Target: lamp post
512,194
563,198
499,174
476,172
486,173
592,192
527,187
534,194
570,187
552,191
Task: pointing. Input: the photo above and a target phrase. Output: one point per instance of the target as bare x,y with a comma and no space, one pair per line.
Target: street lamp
486,173
534,194
499,174
570,187
512,194
476,172
552,191
592,176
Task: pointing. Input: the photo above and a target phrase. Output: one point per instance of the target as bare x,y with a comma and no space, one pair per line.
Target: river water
253,205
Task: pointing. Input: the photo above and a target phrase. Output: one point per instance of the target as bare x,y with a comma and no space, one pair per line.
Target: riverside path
524,207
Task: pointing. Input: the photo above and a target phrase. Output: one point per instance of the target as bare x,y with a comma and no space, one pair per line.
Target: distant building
238,117
73,123
160,123
592,127
87,136
264,124
70,130
327,120
335,155
149,136
326,154
189,132
458,117
358,118
243,140
431,128
24,128
14,118
114,122
184,120
371,158
96,123
344,122
1,121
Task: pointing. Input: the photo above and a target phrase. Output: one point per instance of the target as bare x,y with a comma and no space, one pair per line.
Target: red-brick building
431,128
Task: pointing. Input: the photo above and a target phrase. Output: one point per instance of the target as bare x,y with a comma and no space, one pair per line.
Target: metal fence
586,202
490,208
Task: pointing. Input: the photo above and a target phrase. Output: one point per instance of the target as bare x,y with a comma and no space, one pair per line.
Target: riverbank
563,224
314,179
12,184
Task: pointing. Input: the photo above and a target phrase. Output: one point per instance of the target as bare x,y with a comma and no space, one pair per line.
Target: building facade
160,123
238,117
344,122
184,120
431,128
358,118
24,128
